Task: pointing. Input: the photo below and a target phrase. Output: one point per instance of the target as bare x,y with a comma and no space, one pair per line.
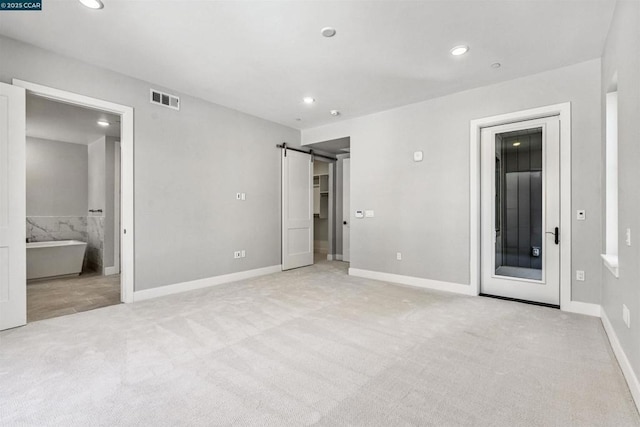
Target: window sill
611,262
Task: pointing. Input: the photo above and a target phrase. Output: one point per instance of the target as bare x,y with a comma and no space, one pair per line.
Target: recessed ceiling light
308,100
328,31
103,123
516,144
335,112
459,50
92,4
496,65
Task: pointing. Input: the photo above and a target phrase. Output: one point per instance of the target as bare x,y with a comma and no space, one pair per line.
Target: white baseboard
203,283
330,257
582,308
109,271
623,361
337,257
413,281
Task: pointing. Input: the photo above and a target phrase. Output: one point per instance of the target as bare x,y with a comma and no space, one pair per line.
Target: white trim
611,262
109,271
585,308
337,257
126,145
417,282
203,283
564,112
623,361
116,209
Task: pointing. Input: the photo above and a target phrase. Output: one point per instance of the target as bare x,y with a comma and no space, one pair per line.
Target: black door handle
556,235
344,222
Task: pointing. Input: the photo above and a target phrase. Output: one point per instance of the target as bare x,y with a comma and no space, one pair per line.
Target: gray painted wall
96,174
422,209
56,178
188,166
621,57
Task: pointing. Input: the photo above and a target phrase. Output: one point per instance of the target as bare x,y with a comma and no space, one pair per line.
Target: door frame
127,234
562,110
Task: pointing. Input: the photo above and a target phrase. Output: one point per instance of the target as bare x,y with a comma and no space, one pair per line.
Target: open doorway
321,197
332,200
313,203
72,208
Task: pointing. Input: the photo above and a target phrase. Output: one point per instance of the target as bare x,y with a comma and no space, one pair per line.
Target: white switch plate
369,214
244,196
359,214
417,156
238,196
580,275
399,256
628,237
243,254
237,254
581,215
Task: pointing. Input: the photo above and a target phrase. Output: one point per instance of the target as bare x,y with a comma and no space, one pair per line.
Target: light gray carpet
313,346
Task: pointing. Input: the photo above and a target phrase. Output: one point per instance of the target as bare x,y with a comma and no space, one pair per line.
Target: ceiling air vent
165,99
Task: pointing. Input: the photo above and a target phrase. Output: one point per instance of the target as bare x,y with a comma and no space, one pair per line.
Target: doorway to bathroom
72,208
13,277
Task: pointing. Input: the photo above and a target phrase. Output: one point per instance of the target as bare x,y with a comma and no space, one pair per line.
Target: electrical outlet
237,254
399,256
580,275
243,253
238,196
626,315
581,215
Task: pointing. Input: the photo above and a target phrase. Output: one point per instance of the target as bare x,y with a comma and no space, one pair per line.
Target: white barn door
297,209
13,271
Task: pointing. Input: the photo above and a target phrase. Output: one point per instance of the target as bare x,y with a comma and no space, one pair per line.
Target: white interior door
13,271
346,209
520,210
297,209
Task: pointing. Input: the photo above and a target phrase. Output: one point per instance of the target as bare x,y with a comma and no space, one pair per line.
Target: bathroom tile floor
69,295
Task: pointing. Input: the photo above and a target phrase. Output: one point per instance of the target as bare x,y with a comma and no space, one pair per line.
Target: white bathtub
50,259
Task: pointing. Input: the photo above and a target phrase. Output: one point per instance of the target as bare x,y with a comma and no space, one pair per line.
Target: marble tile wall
95,243
86,229
47,228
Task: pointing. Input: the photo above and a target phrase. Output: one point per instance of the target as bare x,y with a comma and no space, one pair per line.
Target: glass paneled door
520,210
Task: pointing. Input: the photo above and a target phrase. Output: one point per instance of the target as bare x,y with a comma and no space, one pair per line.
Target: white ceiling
262,57
56,121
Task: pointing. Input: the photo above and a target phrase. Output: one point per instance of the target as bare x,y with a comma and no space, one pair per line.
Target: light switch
628,237
369,214
244,196
581,215
417,156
